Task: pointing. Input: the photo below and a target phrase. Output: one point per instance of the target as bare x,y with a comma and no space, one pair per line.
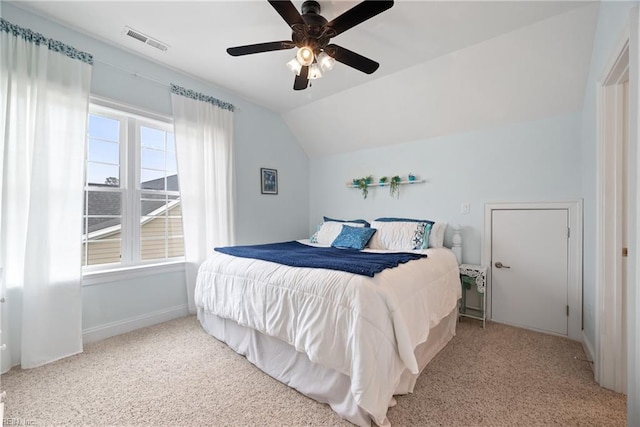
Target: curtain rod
144,76
135,73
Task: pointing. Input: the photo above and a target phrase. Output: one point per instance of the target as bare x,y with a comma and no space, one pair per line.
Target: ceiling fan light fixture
305,56
311,35
294,66
314,71
326,62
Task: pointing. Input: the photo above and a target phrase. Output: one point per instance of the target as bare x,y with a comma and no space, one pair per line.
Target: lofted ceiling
445,66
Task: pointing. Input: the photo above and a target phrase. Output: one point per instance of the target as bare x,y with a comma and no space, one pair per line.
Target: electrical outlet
465,208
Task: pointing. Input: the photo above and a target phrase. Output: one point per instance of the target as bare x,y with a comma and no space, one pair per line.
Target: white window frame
130,264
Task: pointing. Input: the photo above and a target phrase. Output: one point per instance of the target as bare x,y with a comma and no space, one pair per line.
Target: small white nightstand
479,273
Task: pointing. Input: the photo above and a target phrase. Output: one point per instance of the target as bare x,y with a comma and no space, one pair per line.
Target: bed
342,338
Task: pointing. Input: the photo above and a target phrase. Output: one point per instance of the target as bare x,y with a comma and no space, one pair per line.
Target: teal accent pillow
353,237
425,236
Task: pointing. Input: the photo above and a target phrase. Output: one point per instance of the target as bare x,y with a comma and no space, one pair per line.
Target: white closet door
529,268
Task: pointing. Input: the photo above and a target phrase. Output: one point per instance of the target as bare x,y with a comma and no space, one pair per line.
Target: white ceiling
446,66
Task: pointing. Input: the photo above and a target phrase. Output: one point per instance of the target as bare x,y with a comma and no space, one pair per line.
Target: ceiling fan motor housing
311,6
314,33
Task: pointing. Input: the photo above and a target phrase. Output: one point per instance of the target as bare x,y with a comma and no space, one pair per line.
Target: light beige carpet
174,374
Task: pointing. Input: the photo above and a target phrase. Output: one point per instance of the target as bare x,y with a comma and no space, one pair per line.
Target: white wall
612,19
524,162
261,140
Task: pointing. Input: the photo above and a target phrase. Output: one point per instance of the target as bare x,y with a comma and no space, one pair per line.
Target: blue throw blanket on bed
296,254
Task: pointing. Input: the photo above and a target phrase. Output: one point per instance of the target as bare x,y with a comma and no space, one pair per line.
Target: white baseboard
111,329
588,349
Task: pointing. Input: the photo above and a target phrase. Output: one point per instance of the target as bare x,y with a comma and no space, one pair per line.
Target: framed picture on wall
268,181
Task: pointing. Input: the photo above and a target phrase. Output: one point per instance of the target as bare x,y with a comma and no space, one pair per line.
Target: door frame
574,282
610,352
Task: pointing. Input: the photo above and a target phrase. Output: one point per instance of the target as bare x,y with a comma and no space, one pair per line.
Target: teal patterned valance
179,90
39,39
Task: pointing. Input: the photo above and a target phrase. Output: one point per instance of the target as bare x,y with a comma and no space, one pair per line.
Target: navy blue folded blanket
296,254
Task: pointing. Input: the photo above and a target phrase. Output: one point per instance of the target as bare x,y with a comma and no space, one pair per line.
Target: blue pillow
353,237
357,221
391,219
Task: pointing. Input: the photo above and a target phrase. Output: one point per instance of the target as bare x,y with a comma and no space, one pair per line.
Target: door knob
501,265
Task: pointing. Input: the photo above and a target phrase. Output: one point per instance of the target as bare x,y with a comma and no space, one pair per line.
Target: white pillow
436,238
329,230
400,235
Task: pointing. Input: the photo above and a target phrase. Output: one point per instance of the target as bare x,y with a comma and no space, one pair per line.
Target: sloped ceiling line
446,66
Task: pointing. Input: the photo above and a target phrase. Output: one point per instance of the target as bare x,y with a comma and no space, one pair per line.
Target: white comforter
364,327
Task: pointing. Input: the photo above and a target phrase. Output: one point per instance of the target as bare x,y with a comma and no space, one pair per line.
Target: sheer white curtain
44,96
203,128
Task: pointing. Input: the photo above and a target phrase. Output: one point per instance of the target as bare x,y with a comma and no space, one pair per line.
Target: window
132,212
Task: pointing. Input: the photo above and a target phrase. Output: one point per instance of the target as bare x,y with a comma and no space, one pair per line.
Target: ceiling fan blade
301,82
288,11
352,59
260,47
357,14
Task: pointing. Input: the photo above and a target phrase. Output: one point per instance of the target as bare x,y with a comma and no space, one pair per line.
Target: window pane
153,209
103,203
155,196
102,227
104,152
171,143
105,251
174,226
160,226
172,183
152,159
156,207
104,128
152,138
153,249
153,226
151,180
103,175
175,247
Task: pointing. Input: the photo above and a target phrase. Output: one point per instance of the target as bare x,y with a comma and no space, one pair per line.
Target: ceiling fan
311,35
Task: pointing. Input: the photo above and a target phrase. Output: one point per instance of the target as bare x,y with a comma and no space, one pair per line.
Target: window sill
125,273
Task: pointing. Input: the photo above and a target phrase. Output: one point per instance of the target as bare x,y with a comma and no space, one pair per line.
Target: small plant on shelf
394,186
363,185
383,181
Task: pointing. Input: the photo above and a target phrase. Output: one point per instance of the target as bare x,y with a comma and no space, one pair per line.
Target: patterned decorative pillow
435,239
400,235
329,230
353,237
393,219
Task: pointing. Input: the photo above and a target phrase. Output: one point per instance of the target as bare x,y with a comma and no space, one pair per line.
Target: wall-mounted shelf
386,184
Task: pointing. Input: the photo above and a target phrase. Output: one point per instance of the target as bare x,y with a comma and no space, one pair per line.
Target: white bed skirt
281,361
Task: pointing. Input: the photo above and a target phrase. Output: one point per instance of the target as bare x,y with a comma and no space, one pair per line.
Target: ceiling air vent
145,39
